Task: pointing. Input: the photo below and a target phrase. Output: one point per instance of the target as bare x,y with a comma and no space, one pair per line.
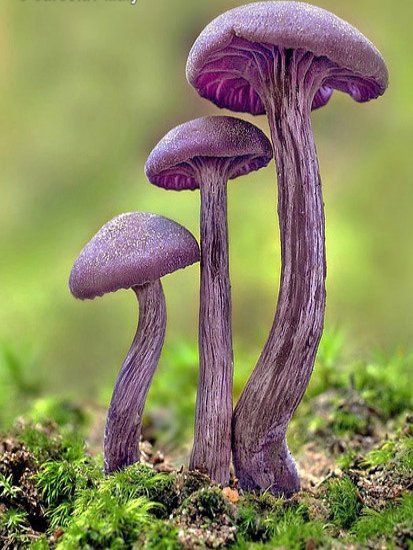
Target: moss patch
356,461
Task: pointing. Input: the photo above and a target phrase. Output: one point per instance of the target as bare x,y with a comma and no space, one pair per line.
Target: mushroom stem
211,452
123,424
261,456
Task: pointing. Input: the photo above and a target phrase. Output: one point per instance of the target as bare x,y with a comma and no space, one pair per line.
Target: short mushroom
284,59
204,154
133,251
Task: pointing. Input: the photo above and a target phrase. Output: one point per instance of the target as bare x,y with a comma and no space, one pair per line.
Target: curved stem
211,452
123,424
261,456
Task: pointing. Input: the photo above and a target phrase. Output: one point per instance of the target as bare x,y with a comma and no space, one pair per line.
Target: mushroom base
270,468
123,424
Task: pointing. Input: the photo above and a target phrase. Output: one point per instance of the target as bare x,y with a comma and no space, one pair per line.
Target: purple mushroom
204,154
284,59
133,251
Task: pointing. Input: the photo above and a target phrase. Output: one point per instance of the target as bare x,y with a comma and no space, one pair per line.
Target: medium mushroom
133,251
204,154
284,59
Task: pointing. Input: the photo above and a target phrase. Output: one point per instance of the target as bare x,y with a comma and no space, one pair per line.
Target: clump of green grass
343,502
206,519
252,526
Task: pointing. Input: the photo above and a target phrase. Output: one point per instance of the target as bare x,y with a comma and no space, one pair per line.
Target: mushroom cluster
282,59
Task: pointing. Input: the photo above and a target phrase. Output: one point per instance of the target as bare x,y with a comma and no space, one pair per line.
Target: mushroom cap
131,250
288,25
218,137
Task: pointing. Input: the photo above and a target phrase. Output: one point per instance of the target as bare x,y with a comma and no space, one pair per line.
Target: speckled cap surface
131,250
289,25
219,137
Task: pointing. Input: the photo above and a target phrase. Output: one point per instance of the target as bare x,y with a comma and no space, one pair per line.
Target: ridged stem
261,457
123,424
212,442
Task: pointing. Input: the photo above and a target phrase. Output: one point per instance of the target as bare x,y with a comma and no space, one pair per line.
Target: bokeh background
86,90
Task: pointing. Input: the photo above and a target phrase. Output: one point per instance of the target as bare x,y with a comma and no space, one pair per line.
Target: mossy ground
353,437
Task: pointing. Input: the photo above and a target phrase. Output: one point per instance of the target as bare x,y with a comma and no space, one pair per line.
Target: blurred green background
86,90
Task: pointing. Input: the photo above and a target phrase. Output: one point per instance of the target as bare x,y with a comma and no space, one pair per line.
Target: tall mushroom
133,251
284,59
206,153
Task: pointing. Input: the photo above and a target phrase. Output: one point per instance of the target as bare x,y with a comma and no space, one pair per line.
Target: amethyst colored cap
219,137
131,250
219,58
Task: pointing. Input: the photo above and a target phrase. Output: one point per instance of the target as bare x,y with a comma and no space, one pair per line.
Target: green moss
396,454
106,522
343,501
14,528
14,520
207,503
346,460
40,544
161,536
141,481
8,491
328,372
373,524
256,516
206,519
42,440
139,508
47,441
251,525
295,532
287,526
380,389
60,482
188,482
